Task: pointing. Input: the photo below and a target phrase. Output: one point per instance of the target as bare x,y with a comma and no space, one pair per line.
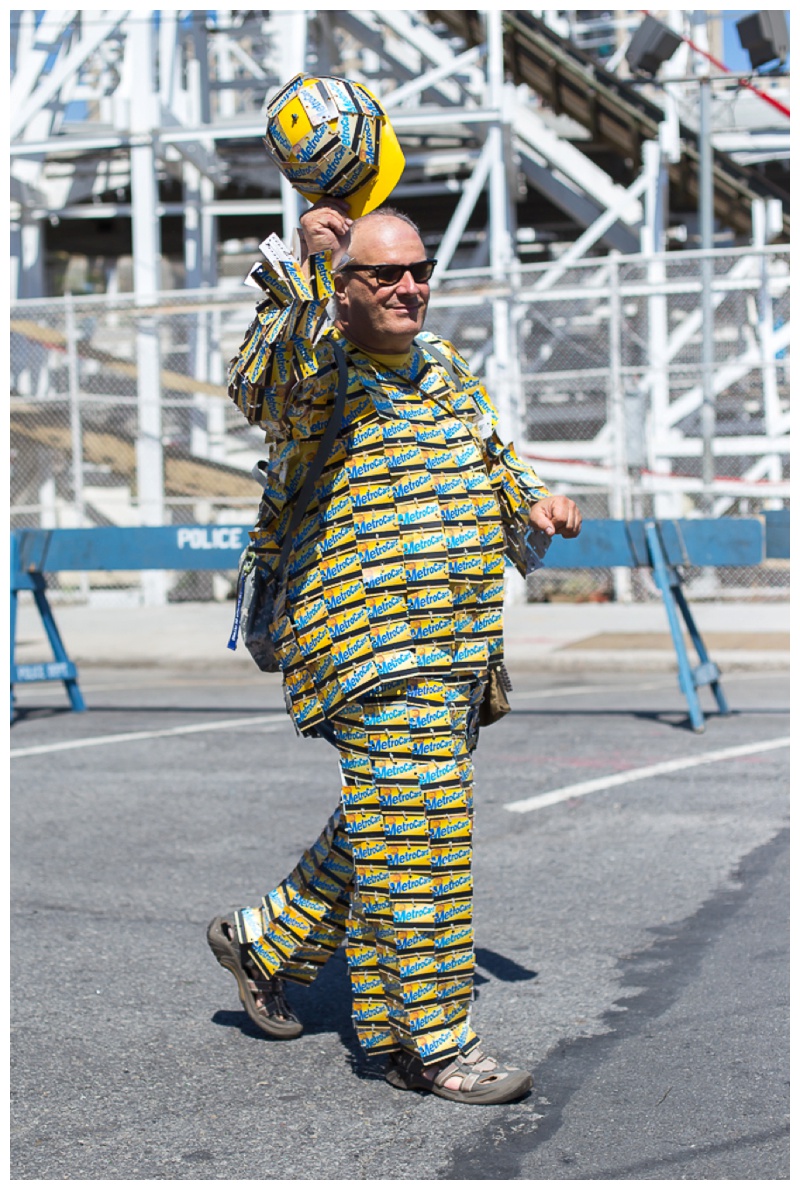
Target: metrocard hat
330,137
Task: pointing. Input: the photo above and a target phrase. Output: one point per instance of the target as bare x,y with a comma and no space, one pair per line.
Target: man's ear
340,290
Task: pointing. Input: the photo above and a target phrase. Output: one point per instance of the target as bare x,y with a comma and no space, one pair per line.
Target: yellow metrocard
432,658
307,712
347,621
436,747
386,607
404,827
376,905
455,989
412,941
392,798
451,855
361,957
367,469
370,1011
424,1018
419,991
375,522
427,629
392,636
416,966
449,829
395,743
440,801
380,551
416,486
370,851
338,538
346,653
375,1039
366,823
386,577
452,884
454,912
405,458
345,595
456,963
411,856
373,876
413,914
365,982
372,495
410,885
356,681
428,717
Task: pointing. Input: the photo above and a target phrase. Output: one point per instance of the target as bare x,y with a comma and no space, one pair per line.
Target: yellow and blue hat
330,137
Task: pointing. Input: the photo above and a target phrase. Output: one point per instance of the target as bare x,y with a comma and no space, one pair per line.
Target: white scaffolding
145,114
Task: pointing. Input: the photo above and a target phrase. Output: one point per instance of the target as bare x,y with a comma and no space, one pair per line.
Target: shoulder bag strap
440,358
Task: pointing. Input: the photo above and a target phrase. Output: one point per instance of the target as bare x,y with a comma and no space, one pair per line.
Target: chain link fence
600,370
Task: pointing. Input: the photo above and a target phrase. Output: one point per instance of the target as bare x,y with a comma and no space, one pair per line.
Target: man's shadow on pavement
325,1006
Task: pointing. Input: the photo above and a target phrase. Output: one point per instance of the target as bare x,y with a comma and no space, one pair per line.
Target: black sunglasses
392,274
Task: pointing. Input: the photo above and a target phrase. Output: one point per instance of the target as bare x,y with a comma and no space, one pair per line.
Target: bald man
388,632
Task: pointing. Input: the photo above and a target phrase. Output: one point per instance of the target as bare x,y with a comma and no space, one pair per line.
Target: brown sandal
481,1079
264,999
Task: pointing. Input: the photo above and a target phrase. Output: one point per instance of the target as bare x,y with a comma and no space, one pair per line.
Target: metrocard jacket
397,566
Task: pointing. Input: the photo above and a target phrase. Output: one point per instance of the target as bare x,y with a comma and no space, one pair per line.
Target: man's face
382,318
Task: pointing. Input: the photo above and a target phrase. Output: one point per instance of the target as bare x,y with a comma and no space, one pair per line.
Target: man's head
373,314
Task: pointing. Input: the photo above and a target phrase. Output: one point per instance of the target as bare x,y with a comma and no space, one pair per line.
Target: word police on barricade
211,537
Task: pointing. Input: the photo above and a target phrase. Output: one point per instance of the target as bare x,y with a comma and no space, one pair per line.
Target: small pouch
495,704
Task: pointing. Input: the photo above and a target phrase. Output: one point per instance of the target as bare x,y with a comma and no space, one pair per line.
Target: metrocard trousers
391,873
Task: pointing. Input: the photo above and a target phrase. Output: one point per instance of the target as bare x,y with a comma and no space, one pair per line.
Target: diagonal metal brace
665,564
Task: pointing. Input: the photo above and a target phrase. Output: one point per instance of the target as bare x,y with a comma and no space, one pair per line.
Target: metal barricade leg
13,643
707,666
689,678
61,669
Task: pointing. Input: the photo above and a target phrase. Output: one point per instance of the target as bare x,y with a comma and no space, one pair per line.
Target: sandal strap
273,996
474,1069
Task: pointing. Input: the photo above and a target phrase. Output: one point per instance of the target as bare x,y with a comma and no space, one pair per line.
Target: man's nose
407,284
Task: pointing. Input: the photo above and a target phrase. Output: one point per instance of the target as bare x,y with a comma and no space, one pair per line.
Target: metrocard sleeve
278,350
518,487
516,484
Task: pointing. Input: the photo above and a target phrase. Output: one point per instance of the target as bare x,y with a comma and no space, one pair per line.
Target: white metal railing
599,381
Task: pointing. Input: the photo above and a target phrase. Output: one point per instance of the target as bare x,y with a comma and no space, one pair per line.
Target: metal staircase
614,112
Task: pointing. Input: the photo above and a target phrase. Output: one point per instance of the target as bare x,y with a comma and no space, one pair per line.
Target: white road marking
622,687
557,692
650,770
266,722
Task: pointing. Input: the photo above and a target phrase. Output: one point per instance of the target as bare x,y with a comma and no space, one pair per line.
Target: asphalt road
632,941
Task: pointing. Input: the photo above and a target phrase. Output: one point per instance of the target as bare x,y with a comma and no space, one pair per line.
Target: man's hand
556,514
325,226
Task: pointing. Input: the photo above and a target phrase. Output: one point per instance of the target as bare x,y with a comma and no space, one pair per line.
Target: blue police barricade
665,547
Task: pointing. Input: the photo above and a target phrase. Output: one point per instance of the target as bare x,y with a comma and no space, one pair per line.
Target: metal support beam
97,32
146,284
416,86
708,411
292,26
464,208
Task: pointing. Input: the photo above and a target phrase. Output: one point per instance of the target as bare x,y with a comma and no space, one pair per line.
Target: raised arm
278,350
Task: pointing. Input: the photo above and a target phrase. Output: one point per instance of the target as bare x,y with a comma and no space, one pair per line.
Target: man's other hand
556,514
325,226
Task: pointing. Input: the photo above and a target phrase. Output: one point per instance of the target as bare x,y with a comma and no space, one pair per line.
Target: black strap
441,358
